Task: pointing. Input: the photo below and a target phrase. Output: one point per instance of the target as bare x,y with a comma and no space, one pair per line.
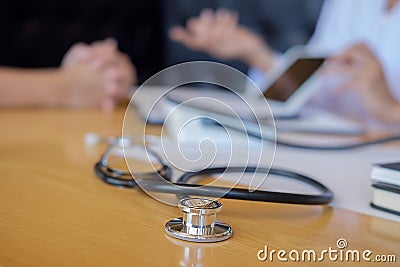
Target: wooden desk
55,212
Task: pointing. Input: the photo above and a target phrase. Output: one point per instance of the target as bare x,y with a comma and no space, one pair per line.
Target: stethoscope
183,185
199,223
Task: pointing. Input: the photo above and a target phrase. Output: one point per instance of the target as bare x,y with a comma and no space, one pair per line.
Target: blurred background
37,33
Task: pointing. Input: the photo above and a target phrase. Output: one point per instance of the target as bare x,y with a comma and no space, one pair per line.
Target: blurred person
283,23
367,79
364,36
219,34
96,75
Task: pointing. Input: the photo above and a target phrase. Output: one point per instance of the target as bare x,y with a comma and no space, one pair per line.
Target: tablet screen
293,78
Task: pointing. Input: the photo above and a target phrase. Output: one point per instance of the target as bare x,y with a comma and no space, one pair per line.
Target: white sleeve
325,32
257,76
262,78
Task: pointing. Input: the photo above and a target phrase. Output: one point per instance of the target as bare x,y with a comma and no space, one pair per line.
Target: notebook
386,187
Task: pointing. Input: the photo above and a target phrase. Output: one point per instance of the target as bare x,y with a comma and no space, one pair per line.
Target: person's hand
96,74
219,34
364,74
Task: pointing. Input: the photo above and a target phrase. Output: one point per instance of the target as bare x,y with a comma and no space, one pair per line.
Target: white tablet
290,85
293,83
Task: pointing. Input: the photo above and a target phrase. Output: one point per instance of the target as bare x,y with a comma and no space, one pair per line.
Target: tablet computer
289,86
291,79
292,85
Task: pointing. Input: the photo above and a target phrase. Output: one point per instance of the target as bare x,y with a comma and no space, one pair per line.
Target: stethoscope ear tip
91,139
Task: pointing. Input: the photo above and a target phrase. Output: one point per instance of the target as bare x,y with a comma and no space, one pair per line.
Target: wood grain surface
54,211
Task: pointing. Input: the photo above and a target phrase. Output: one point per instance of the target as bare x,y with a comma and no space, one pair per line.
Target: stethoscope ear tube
324,197
107,177
183,188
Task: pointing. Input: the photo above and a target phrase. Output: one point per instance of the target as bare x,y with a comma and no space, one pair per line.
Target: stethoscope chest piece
199,222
